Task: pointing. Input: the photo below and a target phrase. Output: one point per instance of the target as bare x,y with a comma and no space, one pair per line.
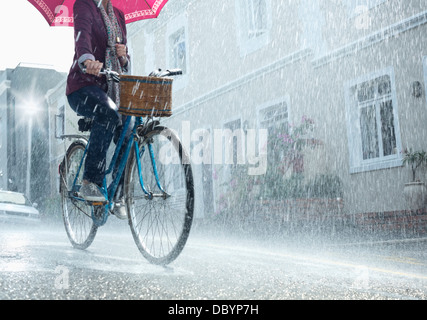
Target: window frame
229,169
175,25
270,105
236,147
60,121
353,116
246,43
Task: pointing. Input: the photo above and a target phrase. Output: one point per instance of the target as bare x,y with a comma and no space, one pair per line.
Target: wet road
39,263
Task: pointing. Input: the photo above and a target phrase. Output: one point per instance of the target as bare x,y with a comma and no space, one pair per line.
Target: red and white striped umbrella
60,12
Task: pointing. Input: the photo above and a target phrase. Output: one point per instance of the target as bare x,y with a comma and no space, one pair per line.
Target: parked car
15,206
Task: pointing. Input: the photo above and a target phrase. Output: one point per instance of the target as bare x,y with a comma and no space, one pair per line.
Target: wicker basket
145,96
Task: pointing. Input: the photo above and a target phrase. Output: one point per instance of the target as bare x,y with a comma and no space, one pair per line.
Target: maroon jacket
90,38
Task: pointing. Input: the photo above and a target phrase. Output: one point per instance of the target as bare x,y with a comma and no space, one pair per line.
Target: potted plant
415,192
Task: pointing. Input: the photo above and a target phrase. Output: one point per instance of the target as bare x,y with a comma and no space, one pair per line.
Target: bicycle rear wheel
161,221
76,213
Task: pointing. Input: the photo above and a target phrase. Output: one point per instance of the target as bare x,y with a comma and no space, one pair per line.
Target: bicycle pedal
92,203
99,215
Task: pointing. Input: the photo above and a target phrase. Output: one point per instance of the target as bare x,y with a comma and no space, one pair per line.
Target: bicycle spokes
158,190
161,211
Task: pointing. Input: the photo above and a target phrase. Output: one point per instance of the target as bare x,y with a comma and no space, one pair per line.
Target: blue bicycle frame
109,191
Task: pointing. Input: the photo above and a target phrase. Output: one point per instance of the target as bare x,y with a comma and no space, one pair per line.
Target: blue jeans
93,102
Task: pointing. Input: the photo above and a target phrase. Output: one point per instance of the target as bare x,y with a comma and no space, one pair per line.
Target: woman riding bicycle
100,40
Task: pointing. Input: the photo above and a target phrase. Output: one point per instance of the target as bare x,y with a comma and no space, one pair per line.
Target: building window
233,143
60,122
254,23
274,118
374,136
232,148
177,46
256,18
178,53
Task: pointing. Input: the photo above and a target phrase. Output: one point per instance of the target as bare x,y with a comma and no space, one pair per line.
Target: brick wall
328,215
405,222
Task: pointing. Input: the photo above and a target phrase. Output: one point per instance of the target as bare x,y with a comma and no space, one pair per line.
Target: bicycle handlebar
166,73
113,75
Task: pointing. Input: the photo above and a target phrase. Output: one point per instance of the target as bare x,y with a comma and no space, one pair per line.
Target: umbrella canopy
60,12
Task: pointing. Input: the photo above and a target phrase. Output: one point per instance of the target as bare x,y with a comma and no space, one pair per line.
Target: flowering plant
286,146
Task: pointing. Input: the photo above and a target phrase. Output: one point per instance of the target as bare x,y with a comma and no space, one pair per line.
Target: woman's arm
83,19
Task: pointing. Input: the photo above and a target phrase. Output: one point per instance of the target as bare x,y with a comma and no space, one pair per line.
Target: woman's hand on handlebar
93,67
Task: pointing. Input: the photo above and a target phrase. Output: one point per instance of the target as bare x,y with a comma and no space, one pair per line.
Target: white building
351,66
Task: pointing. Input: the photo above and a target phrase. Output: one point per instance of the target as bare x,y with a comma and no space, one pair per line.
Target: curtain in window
256,15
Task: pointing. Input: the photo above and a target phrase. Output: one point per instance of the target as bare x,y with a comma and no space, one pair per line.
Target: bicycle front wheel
161,214
76,213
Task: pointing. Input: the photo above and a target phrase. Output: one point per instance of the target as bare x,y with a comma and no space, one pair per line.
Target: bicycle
158,188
